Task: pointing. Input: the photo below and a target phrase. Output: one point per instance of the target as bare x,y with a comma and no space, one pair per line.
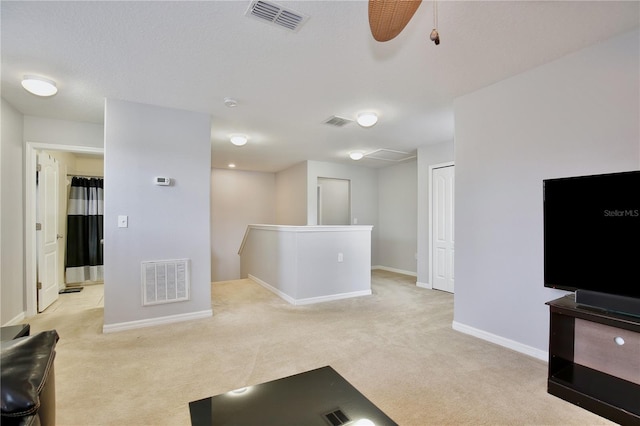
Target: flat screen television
592,239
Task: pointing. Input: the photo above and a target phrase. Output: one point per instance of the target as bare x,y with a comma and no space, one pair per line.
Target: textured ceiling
191,55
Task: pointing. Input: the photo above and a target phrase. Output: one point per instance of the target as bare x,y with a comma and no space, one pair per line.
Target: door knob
58,236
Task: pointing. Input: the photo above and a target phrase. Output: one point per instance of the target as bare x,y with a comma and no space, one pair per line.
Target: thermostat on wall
164,181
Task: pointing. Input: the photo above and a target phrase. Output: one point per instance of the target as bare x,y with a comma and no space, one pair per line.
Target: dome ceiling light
367,119
239,140
356,155
39,86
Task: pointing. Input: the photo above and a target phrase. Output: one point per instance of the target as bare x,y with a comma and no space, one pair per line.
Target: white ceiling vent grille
334,120
165,281
276,15
389,155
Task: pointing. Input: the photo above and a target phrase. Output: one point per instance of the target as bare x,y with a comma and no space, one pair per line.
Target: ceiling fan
387,18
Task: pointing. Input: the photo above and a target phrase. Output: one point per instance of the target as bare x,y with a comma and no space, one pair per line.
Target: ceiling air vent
389,155
334,120
276,15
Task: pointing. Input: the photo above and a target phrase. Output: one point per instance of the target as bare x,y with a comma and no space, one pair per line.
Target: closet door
442,250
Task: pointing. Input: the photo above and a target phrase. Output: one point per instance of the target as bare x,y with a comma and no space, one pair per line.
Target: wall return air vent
275,14
165,281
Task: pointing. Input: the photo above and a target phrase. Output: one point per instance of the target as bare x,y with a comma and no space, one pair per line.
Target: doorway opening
334,201
32,151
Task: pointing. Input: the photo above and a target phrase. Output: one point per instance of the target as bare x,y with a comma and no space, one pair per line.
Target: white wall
574,116
428,155
364,195
397,217
11,216
62,132
89,166
238,199
165,222
291,195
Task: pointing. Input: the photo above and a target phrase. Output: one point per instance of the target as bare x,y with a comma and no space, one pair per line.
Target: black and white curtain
84,230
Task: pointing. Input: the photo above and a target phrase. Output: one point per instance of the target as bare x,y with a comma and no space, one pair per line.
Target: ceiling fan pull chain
434,36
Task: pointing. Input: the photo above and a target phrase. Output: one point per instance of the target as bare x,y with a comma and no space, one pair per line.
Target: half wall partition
308,264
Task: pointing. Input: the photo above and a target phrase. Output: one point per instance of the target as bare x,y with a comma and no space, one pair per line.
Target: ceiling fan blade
387,18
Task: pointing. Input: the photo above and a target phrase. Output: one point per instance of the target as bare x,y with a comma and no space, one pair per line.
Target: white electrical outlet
340,257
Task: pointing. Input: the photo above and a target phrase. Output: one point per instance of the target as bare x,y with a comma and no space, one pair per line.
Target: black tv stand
594,360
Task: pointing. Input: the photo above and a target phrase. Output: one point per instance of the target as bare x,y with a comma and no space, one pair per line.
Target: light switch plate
123,221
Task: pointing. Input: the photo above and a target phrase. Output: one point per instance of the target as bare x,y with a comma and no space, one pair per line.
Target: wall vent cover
275,14
165,281
334,120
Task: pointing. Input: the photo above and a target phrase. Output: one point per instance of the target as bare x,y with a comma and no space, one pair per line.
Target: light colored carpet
396,346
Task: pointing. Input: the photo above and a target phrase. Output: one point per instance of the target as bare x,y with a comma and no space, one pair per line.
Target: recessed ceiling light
231,165
367,119
39,86
239,140
356,155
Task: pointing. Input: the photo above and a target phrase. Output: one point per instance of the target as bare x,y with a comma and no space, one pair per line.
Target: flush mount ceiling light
239,140
39,86
230,102
356,155
367,119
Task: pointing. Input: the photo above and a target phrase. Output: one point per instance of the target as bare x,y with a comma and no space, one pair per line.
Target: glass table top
317,397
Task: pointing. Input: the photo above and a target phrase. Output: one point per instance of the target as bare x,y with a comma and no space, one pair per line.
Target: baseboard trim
396,270
424,285
320,299
502,341
273,289
309,300
170,319
16,320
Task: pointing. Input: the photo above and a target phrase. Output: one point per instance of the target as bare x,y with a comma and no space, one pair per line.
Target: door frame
30,244
430,239
319,204
320,195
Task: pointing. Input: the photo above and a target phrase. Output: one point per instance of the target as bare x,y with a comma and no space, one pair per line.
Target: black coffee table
316,397
11,332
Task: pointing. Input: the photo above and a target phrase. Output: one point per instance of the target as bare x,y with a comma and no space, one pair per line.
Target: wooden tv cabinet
594,360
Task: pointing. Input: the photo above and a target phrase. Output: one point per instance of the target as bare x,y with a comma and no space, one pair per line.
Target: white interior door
442,250
47,235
